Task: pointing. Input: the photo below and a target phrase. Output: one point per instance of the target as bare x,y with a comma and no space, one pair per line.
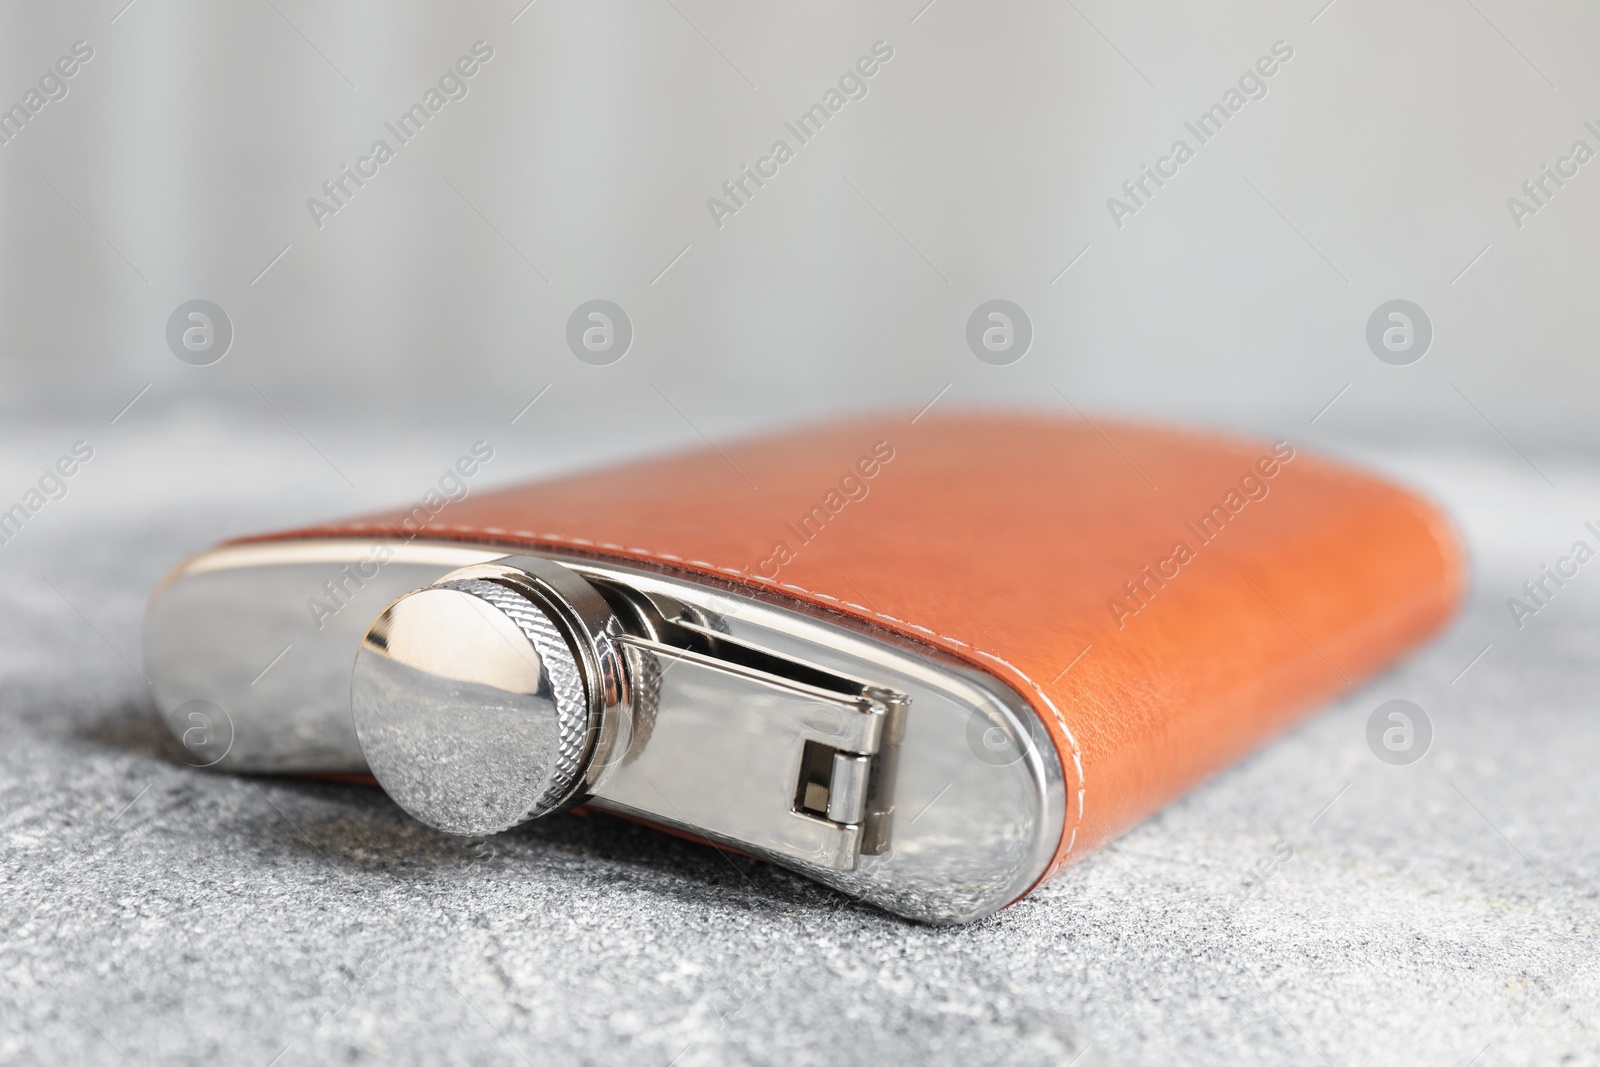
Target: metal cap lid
478,702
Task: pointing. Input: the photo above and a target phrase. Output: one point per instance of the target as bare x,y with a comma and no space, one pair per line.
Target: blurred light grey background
1437,913
978,165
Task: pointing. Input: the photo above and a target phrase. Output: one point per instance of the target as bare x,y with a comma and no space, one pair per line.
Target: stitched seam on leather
1077,755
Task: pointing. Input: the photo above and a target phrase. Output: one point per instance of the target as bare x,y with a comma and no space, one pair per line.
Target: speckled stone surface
1311,905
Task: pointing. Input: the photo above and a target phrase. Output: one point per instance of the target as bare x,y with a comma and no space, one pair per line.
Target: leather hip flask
926,663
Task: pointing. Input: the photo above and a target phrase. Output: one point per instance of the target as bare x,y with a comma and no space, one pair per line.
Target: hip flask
927,663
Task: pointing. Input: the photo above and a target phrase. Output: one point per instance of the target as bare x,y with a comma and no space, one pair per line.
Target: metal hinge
750,746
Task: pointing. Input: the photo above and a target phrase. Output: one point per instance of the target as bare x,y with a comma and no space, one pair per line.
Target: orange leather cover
1164,600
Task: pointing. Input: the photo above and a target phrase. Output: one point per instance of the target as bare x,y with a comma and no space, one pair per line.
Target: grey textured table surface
152,913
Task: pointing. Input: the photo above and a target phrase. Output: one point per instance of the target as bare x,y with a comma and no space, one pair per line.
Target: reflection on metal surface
222,617
490,697
517,685
743,733
472,715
